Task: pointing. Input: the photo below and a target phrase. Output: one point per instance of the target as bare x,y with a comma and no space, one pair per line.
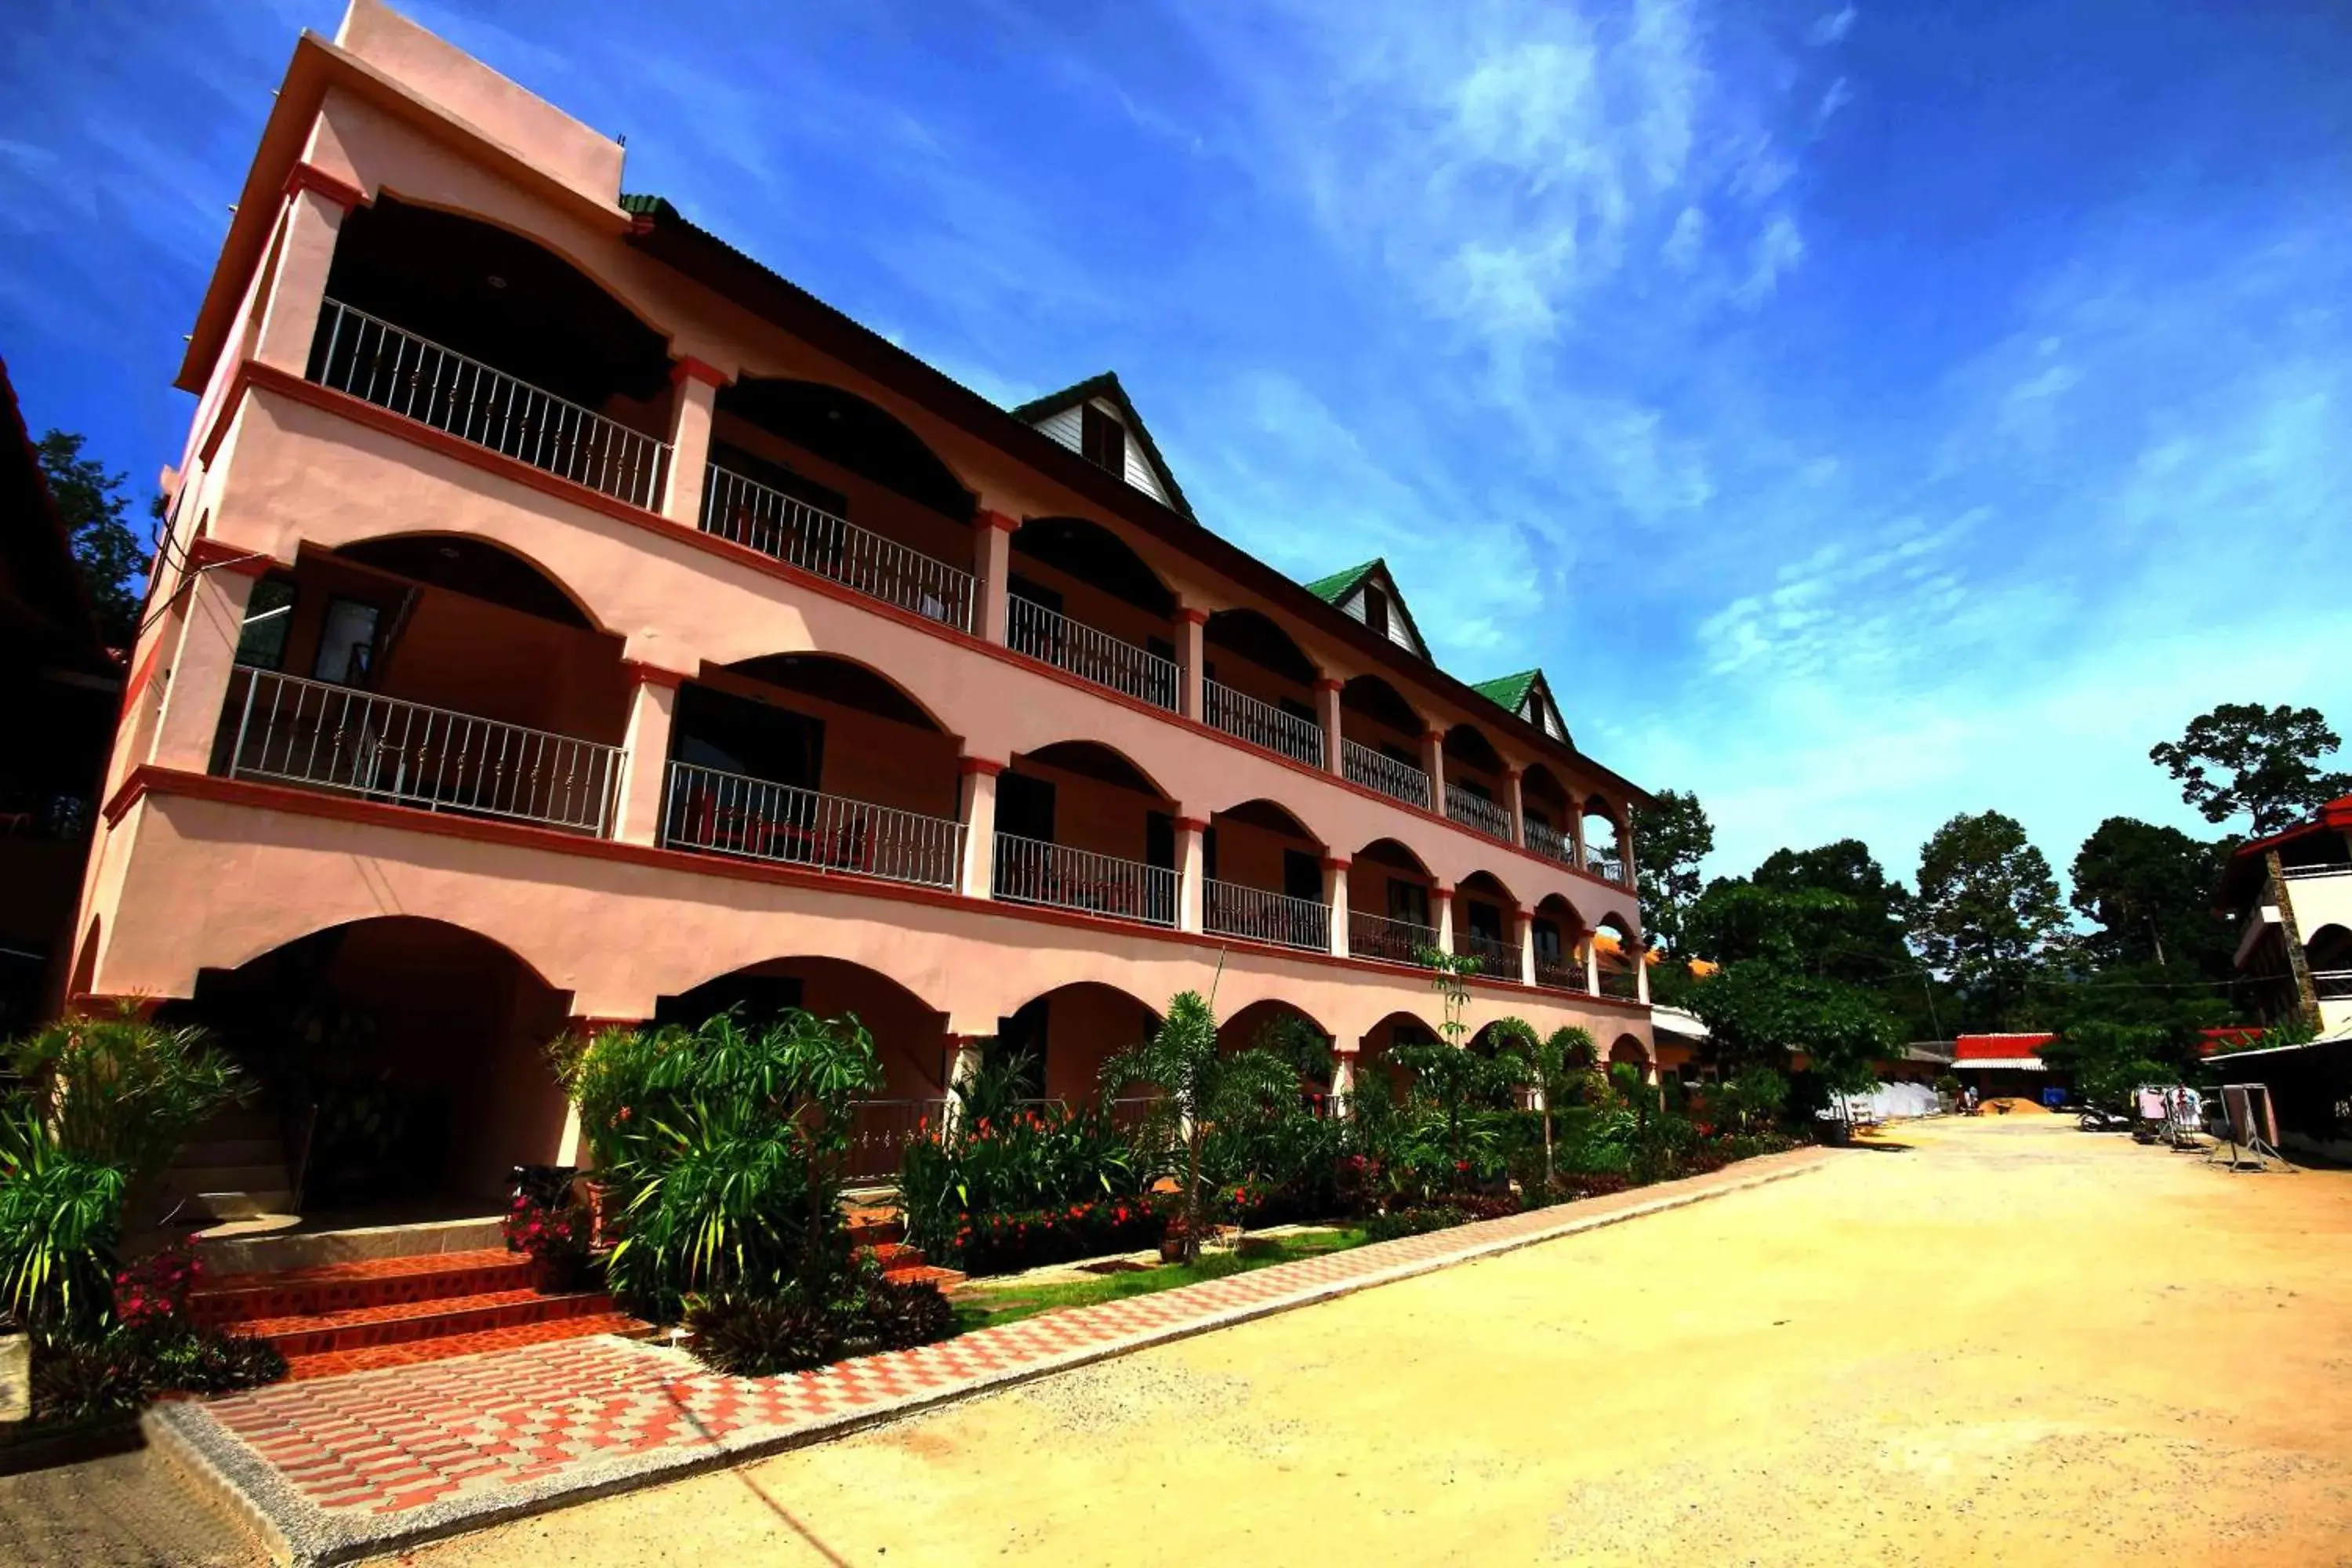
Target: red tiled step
345,1287
401,1323
411,1352
873,1229
917,1273
893,1255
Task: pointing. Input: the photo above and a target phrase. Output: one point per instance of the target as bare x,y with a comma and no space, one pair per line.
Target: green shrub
758,1337
125,1092
60,1221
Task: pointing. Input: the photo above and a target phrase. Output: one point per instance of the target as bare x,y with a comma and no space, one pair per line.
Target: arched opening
1559,937
812,760
1078,827
1549,813
1081,599
2329,953
428,669
481,333
1263,877
1618,959
1389,910
1474,795
400,1069
1381,740
1629,1049
1290,1032
1259,684
909,1039
1065,1036
1488,1043
1377,1068
1603,854
1484,913
825,481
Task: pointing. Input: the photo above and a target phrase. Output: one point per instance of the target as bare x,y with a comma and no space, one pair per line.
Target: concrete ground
2008,1342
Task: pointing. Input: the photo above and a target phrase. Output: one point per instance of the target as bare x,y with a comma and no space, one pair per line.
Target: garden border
301,1533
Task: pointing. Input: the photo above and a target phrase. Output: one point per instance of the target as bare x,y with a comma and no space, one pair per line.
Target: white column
1326,703
1190,651
978,809
1190,871
1515,802
1641,973
1524,926
1335,894
644,764
962,1066
1592,964
1343,1079
288,317
196,681
993,566
1441,899
691,412
1433,762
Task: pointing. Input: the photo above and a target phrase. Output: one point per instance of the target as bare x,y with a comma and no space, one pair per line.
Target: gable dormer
1528,695
1368,593
1096,420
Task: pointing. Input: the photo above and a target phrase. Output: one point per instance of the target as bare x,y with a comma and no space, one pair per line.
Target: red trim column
978,811
1514,801
692,409
993,567
637,816
1326,704
1334,896
1191,652
1433,762
196,683
291,293
1190,875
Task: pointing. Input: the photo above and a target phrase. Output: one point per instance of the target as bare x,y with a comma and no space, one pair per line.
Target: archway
401,1060
1602,839
1485,916
1259,684
1376,1063
1080,826
1065,1035
1263,877
1629,1049
1617,956
1549,813
1559,935
1082,599
1381,734
1389,912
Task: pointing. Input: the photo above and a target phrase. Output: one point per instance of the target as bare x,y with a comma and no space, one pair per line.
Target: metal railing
1497,958
2332,985
1030,872
1559,972
1619,982
1262,723
1549,842
1378,770
727,813
370,358
1605,865
779,526
331,737
879,1132
1091,655
1474,810
2326,869
1376,936
1230,908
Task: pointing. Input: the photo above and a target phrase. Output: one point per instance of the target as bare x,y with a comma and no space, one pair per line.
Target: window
1409,902
731,734
1024,807
347,642
1376,609
1302,875
268,616
1486,921
1160,841
1546,942
1102,440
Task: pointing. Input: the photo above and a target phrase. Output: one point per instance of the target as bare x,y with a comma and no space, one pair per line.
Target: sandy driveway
2013,1343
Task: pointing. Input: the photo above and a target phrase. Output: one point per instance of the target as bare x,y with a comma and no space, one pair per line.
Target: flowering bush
546,1231
1001,1242
155,1290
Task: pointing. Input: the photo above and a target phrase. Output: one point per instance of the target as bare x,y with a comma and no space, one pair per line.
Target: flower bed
1029,1239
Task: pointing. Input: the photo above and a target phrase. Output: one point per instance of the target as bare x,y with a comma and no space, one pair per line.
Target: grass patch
987,1308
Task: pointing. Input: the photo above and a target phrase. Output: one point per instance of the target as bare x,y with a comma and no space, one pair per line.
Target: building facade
2294,891
565,618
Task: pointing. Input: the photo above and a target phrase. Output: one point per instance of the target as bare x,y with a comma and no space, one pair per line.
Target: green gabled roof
1508,691
1335,588
1106,385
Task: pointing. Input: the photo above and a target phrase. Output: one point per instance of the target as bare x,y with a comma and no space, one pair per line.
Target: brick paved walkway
344,1467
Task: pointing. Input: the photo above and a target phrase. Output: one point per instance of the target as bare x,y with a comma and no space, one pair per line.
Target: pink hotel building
566,618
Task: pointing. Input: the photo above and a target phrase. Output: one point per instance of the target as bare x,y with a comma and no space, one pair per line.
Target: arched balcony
1258,684
808,760
492,338
822,479
1475,790
2328,950
1603,856
1558,936
1485,917
1079,599
1548,814
429,670
1379,741
1389,901
1618,959
1080,827
1263,878
1066,1035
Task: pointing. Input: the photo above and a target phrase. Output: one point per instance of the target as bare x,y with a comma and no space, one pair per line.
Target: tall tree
1987,914
1772,997
1670,839
2268,759
2150,892
91,502
1864,945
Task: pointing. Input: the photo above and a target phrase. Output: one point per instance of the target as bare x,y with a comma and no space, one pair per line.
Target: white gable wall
1068,427
1400,633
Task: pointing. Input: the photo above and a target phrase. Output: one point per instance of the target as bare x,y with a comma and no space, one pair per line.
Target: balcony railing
1550,842
1091,655
1399,941
1474,810
727,813
414,377
330,737
879,1132
2325,868
798,534
1620,982
1605,865
1559,972
1262,723
1378,770
1496,959
1030,872
1231,909
2332,985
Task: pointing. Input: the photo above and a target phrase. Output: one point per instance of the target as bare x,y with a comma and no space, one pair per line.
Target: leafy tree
1987,914
2268,757
1670,839
1779,990
91,502
2150,890
1551,1065
1867,944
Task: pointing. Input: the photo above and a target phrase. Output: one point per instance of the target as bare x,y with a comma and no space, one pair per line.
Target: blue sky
1864,412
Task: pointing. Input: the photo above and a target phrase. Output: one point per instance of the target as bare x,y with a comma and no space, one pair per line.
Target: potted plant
555,1237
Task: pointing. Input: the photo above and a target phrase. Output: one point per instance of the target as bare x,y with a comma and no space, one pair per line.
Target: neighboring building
2310,1089
2294,891
62,687
566,618
2003,1067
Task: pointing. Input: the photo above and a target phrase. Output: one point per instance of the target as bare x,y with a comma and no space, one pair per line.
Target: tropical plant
2269,758
60,1221
1552,1066
123,1091
1751,1096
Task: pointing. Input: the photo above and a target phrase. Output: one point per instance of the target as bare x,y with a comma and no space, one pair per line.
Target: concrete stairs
878,1234
233,1168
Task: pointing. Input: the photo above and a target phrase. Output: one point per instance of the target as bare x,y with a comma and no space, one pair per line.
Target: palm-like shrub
61,1221
719,1151
125,1092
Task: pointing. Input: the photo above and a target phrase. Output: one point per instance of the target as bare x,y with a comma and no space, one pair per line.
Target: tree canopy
1987,914
2261,762
1670,839
91,503
2149,890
